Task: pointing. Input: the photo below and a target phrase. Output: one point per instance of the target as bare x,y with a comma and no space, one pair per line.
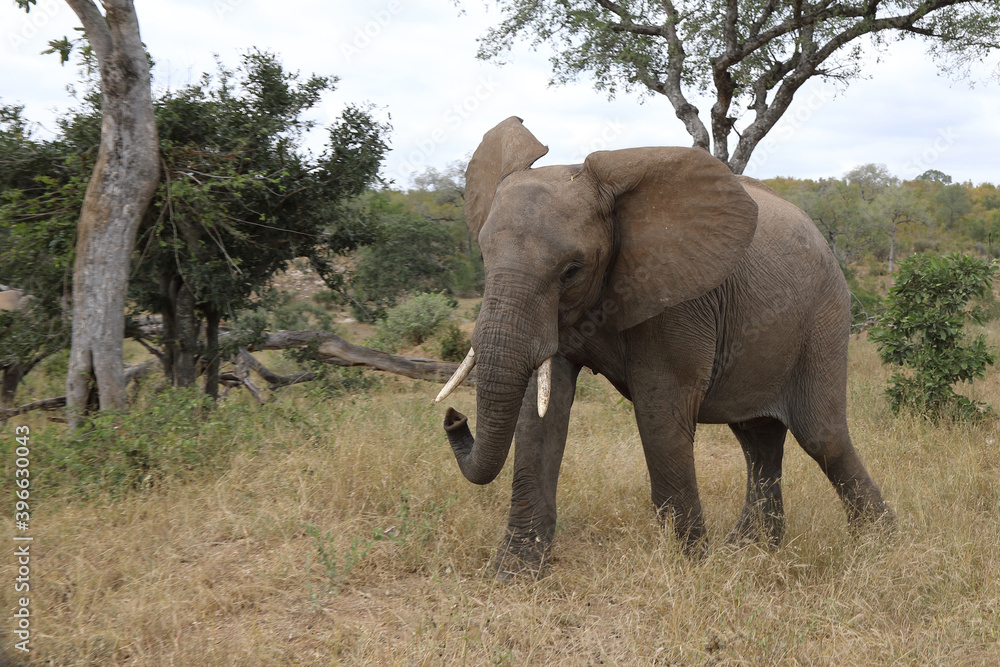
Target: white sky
415,61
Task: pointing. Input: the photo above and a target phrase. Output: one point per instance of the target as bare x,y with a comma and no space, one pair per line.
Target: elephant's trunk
507,350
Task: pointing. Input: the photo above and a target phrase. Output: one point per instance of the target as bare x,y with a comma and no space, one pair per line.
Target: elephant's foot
520,557
876,521
690,533
756,526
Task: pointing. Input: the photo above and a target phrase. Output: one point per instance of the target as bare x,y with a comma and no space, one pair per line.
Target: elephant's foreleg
538,449
667,431
763,515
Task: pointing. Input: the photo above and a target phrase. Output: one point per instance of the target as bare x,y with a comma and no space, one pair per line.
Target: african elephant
702,296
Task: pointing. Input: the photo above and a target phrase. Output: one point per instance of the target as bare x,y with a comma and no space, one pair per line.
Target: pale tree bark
120,190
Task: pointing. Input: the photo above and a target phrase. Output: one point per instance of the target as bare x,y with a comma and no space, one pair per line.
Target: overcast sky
415,61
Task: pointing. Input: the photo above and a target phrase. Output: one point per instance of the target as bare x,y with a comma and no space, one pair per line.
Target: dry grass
226,569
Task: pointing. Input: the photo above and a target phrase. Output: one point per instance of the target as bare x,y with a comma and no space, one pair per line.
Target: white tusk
459,377
544,386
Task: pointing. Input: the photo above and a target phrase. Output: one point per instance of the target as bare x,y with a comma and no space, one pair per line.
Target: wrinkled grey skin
702,296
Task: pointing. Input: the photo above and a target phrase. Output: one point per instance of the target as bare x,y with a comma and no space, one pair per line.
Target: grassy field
338,530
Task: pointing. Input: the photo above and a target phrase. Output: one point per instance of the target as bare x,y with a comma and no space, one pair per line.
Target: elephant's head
616,240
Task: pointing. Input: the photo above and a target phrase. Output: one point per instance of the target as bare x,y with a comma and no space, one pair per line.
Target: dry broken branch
243,374
44,404
273,379
332,348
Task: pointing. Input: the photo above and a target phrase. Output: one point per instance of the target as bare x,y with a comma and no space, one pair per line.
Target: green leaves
924,331
41,192
412,254
64,47
413,321
241,196
751,56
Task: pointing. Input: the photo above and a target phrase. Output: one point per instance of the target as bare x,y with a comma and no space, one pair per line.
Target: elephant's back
787,242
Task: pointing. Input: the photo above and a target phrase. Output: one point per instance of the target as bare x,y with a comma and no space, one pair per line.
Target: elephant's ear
682,223
507,148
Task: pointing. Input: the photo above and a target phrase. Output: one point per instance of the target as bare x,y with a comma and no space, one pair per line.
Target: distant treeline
871,219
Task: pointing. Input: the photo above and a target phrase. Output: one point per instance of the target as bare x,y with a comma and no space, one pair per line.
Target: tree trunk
168,334
212,320
186,342
892,247
119,192
12,376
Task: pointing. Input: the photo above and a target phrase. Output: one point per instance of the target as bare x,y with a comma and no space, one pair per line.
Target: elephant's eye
570,272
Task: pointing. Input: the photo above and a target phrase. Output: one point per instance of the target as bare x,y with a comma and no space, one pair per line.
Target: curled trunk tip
456,427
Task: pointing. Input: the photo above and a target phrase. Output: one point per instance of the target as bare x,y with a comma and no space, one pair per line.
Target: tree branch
274,380
95,27
243,375
671,88
627,24
337,350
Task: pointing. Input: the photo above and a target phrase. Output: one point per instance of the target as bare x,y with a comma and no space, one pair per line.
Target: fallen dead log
330,347
57,403
335,349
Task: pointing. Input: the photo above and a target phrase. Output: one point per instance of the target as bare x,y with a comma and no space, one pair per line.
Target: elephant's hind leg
830,446
763,515
817,417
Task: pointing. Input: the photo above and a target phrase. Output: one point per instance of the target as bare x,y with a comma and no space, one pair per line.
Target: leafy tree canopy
935,175
748,54
239,195
41,189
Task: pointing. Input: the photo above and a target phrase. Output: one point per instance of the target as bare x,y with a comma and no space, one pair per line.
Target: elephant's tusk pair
544,381
459,377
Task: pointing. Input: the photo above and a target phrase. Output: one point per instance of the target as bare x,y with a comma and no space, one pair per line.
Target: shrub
412,322
866,302
923,330
876,265
165,439
326,298
414,254
279,310
454,343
